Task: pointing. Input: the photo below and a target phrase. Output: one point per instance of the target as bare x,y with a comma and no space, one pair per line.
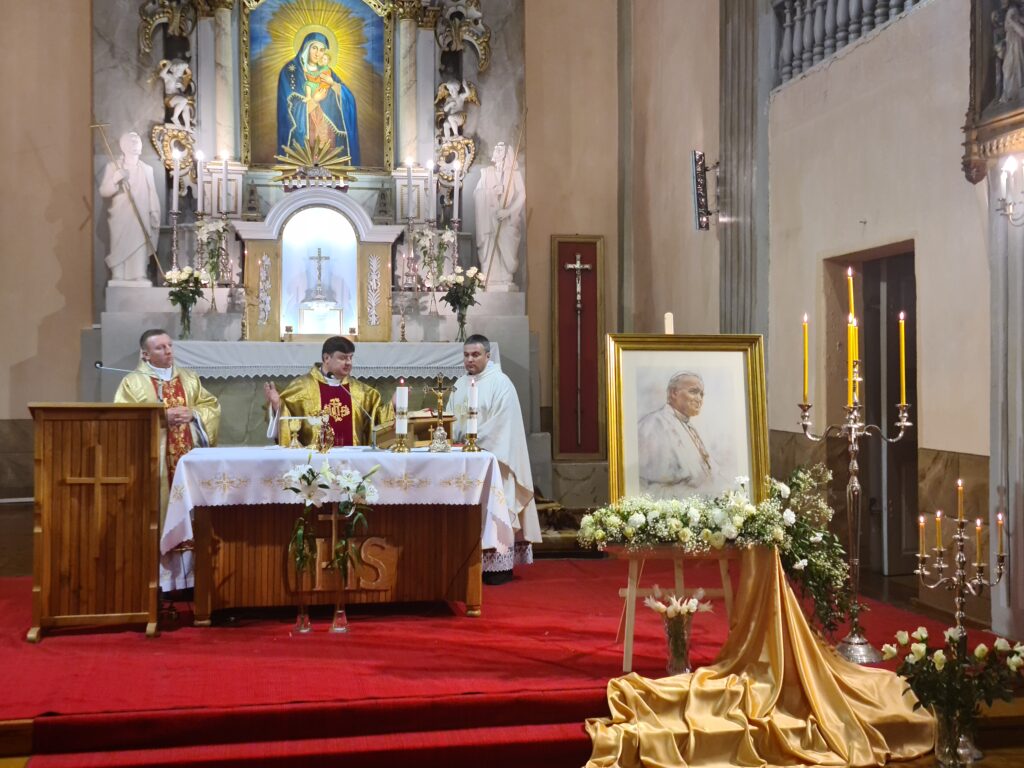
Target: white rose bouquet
186,286
460,293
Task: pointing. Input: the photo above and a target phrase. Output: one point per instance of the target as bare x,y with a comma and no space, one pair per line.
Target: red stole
179,438
338,402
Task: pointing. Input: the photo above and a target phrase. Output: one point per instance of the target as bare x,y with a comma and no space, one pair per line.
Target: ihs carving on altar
439,443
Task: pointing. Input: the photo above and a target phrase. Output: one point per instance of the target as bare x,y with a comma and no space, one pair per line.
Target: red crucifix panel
578,346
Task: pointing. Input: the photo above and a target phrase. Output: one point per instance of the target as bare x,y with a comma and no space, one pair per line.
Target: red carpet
419,684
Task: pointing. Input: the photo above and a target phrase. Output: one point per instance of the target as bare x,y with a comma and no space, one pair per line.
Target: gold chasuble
776,696
183,389
351,406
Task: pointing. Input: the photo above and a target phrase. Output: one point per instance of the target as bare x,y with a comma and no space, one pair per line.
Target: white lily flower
799,565
981,651
1001,645
888,651
952,635
921,634
939,659
918,650
902,637
1014,662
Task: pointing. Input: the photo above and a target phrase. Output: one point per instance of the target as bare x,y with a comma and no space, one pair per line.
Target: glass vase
947,739
186,321
340,623
303,626
461,317
677,634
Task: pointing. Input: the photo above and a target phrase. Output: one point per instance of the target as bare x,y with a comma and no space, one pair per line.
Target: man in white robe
501,431
673,460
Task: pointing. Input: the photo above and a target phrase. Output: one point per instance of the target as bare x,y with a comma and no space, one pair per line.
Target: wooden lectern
97,515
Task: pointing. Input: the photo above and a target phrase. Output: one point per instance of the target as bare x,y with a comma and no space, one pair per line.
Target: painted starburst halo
314,164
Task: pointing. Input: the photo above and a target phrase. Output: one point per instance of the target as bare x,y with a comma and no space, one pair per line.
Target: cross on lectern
97,482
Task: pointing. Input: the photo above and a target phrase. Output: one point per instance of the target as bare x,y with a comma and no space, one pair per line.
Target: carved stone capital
408,9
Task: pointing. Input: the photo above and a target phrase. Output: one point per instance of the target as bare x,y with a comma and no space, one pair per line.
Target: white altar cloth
373,360
212,477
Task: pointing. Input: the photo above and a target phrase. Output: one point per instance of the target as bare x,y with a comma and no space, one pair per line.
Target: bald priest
354,407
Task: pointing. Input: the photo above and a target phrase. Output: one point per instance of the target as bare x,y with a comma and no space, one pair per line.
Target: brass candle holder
471,446
400,445
855,646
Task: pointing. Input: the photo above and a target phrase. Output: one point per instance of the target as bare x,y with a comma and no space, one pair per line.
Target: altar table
435,513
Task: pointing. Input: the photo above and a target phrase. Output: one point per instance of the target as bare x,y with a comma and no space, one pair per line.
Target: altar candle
670,324
903,360
849,288
402,396
474,394
408,187
175,180
959,499
856,356
849,363
431,192
224,187
938,529
1002,183
401,425
920,522
977,541
199,181
456,183
999,531
806,365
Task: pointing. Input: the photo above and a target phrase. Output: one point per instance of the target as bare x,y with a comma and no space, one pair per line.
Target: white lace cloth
373,360
214,477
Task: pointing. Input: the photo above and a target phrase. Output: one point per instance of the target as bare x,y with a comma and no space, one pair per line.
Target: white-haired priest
500,431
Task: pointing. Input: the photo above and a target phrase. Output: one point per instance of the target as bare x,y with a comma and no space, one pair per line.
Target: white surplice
500,430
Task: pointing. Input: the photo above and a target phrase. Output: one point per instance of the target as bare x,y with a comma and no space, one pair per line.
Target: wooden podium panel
97,515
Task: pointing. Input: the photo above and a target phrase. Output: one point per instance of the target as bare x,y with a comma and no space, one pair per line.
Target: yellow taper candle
920,522
959,499
849,363
999,531
856,356
806,353
903,360
849,288
938,529
977,541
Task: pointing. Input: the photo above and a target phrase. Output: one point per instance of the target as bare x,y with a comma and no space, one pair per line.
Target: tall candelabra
174,239
855,646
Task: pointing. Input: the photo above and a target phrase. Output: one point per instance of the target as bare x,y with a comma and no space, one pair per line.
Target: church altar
373,360
435,513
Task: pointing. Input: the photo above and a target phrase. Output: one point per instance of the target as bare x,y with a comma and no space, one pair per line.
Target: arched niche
276,247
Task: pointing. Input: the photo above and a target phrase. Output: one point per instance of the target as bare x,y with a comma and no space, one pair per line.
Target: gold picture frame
727,435
321,14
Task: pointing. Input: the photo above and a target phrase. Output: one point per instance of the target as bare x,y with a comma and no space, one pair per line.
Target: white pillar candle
474,394
408,187
431,193
175,180
224,187
401,396
457,182
401,425
670,327
471,425
199,181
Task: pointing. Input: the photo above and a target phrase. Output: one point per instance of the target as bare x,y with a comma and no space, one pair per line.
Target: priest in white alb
501,431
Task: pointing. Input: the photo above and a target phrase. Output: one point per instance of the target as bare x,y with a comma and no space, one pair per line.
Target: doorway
889,471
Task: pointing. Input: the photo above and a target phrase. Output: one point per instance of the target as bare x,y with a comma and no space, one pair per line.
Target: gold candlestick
401,414
471,446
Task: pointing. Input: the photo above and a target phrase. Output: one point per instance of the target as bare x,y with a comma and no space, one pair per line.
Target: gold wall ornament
168,138
461,149
179,16
314,164
461,22
408,9
316,9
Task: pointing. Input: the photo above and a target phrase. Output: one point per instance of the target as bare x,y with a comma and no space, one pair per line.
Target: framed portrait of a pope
686,415
317,73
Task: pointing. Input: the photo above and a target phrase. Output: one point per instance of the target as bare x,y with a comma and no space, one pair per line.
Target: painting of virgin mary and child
317,72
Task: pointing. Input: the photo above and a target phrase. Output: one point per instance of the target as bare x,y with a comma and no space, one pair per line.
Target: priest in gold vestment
354,408
192,421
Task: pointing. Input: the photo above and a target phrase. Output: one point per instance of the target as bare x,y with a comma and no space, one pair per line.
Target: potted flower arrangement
793,518
460,293
353,494
186,289
433,246
678,615
211,248
953,682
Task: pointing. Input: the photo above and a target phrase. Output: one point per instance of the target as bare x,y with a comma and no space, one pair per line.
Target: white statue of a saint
500,197
133,231
1013,53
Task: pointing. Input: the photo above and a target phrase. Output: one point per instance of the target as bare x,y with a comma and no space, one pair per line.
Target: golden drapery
302,398
776,696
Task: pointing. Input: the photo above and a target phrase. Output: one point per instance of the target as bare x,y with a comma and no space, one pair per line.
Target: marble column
226,84
408,31
1006,462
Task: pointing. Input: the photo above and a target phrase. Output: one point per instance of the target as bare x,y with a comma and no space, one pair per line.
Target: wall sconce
702,212
1013,210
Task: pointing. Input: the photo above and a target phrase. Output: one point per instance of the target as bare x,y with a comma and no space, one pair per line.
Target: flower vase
302,622
461,317
677,633
947,739
186,321
340,623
